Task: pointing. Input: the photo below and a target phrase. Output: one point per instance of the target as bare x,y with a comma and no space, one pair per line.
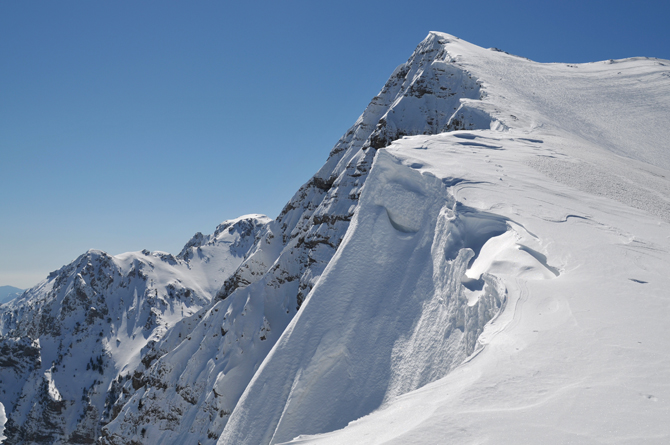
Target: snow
3,420
563,204
581,357
52,390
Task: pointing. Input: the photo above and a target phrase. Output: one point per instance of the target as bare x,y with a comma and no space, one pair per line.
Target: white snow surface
3,420
564,203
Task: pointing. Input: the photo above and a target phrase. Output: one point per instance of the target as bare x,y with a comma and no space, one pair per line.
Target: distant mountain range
9,293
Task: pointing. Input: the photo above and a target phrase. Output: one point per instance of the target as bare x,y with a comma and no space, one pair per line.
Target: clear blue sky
133,124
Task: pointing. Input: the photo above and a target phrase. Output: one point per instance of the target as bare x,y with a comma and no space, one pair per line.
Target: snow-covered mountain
70,343
536,212
484,256
266,292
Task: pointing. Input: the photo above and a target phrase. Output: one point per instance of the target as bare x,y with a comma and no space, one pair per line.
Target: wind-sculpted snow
578,353
87,327
389,315
287,261
346,354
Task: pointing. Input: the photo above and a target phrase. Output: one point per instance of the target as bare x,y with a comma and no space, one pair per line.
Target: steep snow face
389,314
547,218
93,322
579,353
231,339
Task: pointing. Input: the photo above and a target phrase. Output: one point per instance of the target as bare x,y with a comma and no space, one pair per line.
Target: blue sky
134,124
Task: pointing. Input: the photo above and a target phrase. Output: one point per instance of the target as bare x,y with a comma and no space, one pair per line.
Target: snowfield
484,258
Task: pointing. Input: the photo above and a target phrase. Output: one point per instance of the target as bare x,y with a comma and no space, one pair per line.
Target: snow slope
563,203
582,357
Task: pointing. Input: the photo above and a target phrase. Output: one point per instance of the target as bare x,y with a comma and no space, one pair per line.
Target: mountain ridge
97,316
8,293
291,255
